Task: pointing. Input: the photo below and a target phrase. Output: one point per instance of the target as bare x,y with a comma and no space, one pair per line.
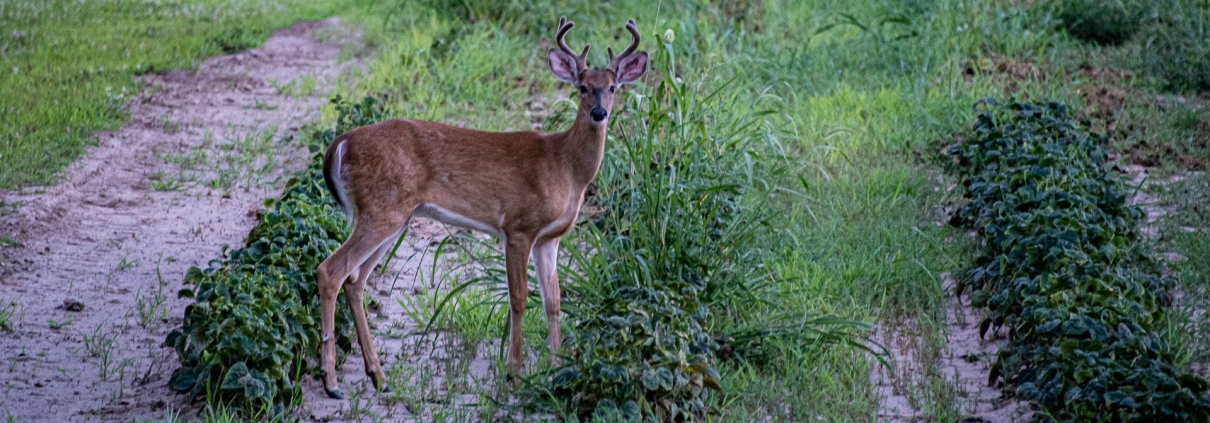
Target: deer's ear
632,68
563,66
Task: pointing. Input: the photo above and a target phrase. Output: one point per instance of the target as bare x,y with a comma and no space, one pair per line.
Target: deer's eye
583,89
612,88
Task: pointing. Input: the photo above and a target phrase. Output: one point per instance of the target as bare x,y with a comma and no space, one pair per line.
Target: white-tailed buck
524,187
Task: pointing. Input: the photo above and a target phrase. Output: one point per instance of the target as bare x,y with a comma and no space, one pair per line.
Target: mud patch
93,264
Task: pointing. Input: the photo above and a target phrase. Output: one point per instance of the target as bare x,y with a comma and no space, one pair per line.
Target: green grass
69,66
6,314
1185,232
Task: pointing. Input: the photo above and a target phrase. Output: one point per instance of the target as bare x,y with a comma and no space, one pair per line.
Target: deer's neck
584,148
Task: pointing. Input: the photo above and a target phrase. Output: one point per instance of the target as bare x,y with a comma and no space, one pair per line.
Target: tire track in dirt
956,371
92,288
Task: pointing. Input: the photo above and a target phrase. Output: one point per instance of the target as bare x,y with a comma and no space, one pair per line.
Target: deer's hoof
334,393
513,379
379,384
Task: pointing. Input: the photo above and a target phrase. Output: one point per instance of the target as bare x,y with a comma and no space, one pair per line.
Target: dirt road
89,280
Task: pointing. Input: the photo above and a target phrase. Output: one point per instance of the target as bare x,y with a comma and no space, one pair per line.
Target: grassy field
69,66
821,120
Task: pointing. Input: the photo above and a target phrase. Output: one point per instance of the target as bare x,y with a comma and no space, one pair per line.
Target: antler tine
634,44
564,26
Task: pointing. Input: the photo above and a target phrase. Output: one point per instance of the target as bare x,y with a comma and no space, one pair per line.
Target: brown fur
525,186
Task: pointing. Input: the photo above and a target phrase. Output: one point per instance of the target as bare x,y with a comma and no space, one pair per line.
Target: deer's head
596,86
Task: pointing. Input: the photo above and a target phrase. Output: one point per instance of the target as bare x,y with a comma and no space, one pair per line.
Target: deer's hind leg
347,262
353,292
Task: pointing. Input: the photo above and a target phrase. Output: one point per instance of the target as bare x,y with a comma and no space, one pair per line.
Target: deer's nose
599,114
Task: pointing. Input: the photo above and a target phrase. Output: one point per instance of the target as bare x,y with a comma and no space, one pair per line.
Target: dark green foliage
641,344
1066,273
1106,22
1177,47
253,328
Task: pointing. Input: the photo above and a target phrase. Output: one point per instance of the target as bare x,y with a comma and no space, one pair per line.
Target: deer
525,188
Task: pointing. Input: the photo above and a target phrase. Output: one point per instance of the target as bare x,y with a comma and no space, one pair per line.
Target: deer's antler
564,26
614,61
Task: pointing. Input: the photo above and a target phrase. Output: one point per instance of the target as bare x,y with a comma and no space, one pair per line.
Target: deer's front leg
516,258
546,253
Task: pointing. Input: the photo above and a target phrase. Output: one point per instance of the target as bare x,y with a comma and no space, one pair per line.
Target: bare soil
92,265
961,366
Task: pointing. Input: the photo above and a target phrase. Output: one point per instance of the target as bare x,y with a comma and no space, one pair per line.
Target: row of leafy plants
1065,271
253,328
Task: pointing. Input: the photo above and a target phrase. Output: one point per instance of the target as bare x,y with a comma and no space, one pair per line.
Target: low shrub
1065,271
1106,22
253,328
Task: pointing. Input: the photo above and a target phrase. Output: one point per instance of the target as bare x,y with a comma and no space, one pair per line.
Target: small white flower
669,36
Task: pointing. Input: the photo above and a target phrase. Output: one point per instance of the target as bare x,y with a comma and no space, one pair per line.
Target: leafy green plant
252,329
1065,271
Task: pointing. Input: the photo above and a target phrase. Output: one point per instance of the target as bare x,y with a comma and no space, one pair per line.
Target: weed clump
1065,271
674,244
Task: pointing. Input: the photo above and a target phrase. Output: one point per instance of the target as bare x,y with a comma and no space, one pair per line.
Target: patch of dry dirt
961,366
93,283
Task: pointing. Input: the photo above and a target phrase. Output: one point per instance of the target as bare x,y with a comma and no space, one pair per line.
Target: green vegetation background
859,93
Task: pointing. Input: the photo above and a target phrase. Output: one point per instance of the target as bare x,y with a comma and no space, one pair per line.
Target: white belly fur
435,212
448,217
